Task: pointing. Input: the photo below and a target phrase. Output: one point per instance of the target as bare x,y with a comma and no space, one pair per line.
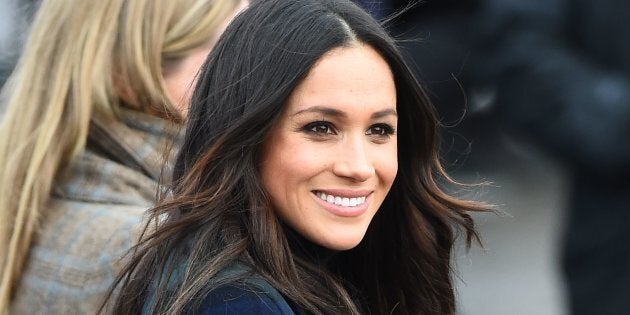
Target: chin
343,244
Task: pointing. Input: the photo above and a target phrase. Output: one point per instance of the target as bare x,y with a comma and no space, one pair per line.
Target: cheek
195,61
180,82
387,164
298,155
289,162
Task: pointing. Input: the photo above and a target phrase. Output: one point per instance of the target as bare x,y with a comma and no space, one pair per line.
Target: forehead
355,76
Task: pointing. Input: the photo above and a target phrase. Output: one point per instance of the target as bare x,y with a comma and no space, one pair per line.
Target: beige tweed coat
94,216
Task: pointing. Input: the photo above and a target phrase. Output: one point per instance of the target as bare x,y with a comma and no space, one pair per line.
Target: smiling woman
305,182
331,158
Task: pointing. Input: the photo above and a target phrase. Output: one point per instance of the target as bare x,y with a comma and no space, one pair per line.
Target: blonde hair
83,58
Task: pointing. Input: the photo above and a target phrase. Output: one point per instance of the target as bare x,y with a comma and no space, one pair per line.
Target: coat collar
123,161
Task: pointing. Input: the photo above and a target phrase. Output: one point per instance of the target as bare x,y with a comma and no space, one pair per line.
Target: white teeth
341,201
353,202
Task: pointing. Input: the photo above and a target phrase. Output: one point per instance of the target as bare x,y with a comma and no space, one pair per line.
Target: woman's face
332,158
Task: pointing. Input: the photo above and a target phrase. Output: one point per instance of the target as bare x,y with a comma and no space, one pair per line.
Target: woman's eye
320,128
380,130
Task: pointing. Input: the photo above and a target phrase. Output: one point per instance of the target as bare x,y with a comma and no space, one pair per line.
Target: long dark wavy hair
216,212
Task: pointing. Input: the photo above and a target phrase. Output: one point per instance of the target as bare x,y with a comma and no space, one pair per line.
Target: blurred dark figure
561,70
437,37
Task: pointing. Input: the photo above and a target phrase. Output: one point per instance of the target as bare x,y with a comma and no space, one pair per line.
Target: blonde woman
98,93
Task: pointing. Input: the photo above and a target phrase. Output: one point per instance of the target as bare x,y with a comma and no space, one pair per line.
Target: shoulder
86,227
70,272
244,298
251,294
78,250
234,290
96,179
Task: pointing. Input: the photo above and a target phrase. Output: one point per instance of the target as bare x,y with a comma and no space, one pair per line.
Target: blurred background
535,98
14,20
6,34
503,75
518,269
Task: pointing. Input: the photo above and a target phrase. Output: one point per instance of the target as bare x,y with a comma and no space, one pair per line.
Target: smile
341,201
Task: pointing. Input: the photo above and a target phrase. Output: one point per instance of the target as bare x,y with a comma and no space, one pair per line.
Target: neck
307,250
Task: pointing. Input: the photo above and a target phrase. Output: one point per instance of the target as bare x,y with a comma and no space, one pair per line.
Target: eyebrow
327,111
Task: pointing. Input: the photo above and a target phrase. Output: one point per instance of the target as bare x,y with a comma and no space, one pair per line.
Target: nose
352,160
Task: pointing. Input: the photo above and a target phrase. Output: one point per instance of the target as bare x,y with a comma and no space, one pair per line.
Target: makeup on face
330,161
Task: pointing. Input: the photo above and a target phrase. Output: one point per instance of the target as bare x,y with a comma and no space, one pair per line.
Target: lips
344,203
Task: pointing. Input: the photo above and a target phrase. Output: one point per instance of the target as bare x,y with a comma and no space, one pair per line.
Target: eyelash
311,128
387,130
